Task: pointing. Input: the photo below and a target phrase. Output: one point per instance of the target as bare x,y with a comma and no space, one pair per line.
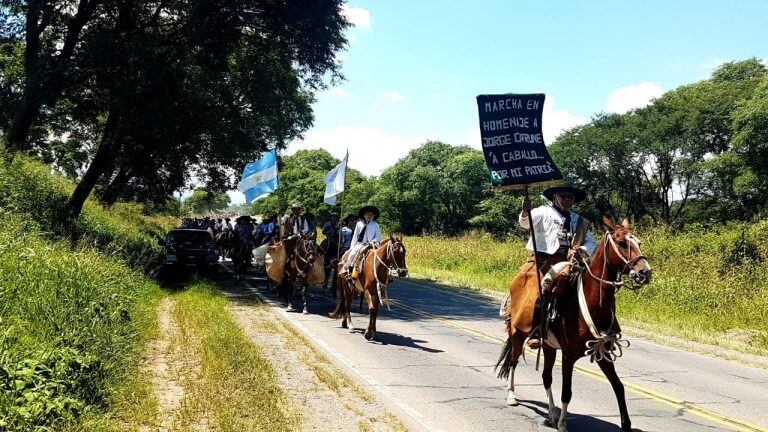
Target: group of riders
565,262
561,235
355,232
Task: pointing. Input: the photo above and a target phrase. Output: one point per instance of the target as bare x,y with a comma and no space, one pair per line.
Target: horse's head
396,253
623,253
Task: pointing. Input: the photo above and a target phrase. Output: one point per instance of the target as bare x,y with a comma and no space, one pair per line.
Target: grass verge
237,388
709,282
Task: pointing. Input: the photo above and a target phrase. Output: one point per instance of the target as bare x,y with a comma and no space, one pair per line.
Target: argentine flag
260,177
334,181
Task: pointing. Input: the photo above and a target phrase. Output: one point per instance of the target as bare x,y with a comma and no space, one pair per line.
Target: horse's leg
518,340
618,388
373,310
546,376
565,398
304,298
348,291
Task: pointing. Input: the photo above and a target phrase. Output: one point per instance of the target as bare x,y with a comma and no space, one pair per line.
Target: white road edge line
420,418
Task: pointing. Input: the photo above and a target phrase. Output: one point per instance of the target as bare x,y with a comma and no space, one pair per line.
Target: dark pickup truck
190,247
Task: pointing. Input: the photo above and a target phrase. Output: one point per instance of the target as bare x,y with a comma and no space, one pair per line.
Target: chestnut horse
387,259
586,323
304,251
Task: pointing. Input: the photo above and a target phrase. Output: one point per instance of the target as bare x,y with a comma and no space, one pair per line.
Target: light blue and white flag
334,181
260,177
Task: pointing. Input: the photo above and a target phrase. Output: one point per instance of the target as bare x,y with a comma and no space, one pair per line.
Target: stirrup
534,343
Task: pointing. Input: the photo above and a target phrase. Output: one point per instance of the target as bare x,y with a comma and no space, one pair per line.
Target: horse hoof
368,336
344,325
511,400
562,428
305,311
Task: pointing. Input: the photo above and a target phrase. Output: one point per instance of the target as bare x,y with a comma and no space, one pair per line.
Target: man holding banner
517,157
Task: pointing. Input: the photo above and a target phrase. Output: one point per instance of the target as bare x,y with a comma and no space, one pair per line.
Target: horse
586,324
303,251
387,259
331,247
241,255
225,241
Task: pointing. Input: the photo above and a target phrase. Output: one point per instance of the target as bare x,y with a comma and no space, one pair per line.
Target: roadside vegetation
76,309
708,282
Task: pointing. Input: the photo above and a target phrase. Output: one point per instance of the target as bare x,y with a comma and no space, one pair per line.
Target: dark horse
331,247
386,260
302,252
242,252
225,242
586,324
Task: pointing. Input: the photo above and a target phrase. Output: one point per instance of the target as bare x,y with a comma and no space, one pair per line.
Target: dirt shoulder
327,398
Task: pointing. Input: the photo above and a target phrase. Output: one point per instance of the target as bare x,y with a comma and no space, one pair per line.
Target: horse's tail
504,364
341,307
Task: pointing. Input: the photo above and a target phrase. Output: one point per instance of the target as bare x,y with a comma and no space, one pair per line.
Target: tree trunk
22,123
102,161
115,188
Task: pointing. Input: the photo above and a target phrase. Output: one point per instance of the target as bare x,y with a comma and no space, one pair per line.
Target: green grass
238,387
76,309
710,283
74,326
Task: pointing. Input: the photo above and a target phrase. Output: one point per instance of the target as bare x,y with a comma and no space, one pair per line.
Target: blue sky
413,68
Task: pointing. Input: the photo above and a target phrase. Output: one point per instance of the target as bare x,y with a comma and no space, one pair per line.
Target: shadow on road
576,422
385,338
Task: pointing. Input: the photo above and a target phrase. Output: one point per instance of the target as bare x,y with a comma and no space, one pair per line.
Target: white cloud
765,62
336,91
625,99
351,37
236,197
371,149
358,16
392,96
555,120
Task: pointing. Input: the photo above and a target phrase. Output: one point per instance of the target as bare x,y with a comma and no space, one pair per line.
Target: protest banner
512,141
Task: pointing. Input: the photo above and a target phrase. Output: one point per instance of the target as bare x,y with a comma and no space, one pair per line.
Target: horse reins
390,270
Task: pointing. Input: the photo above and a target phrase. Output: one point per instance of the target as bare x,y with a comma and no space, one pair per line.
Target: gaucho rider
294,226
560,232
367,234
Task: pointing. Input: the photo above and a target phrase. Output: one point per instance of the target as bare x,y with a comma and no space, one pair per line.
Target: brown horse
303,252
378,265
586,324
241,255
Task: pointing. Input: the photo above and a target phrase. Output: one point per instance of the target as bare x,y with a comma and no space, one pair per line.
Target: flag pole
341,210
542,301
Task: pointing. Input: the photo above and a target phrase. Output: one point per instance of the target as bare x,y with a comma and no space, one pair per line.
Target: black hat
578,194
350,216
309,216
245,218
334,214
369,208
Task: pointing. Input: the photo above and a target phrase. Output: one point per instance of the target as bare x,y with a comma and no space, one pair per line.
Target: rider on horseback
367,233
560,233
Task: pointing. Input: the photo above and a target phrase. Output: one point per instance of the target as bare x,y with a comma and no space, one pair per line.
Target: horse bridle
628,262
390,254
307,263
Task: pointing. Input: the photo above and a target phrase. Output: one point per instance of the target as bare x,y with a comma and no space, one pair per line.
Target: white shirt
548,224
373,232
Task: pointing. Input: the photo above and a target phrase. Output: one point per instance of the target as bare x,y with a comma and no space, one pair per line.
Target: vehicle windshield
189,237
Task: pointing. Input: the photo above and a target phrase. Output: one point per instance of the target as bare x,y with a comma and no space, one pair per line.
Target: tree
203,85
202,202
436,187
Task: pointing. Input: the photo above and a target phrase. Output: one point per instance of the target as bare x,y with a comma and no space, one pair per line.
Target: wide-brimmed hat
309,215
296,206
369,208
578,194
350,216
244,218
333,214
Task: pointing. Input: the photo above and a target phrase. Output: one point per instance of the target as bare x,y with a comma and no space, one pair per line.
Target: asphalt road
434,356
